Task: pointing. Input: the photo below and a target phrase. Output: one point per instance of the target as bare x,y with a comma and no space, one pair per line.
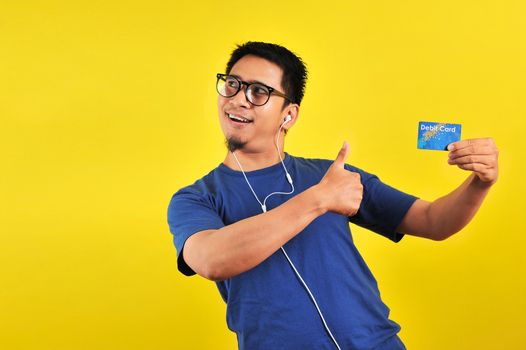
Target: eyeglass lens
256,93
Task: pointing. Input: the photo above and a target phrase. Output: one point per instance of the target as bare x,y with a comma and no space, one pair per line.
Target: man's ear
293,111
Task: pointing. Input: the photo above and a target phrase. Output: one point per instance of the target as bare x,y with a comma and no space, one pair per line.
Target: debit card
437,136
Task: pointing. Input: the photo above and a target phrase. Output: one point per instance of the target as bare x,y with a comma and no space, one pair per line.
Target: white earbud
288,118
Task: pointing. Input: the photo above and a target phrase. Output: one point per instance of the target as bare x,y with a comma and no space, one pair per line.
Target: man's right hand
341,190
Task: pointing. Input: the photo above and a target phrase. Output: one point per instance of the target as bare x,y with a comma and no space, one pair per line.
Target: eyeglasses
256,93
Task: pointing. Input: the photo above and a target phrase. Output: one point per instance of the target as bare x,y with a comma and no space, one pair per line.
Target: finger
482,159
476,167
475,150
469,143
342,155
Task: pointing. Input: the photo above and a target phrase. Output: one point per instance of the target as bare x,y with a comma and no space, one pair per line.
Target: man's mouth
238,119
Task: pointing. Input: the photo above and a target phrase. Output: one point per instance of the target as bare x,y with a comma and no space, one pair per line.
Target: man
285,262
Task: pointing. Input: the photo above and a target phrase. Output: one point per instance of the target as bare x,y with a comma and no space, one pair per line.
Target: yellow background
108,107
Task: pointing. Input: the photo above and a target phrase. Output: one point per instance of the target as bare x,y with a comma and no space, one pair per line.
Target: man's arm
236,248
233,249
449,214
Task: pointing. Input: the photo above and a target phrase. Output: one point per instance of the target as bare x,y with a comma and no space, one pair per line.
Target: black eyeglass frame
271,90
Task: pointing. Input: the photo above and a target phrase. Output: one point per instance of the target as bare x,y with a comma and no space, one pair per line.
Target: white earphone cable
312,298
264,208
289,179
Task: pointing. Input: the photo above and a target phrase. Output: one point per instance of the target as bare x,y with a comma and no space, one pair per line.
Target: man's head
273,66
294,71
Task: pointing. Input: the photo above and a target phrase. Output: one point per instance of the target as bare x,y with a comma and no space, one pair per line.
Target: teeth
238,118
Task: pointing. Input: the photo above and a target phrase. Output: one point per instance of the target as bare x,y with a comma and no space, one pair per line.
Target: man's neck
252,161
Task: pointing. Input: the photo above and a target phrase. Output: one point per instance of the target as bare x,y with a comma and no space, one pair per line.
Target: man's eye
231,83
259,90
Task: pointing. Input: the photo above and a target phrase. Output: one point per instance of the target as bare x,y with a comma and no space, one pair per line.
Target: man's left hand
477,155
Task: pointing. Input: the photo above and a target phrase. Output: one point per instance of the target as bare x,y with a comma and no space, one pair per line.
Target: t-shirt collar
263,171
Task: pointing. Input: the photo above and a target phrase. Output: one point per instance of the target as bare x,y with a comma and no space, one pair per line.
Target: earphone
264,209
289,178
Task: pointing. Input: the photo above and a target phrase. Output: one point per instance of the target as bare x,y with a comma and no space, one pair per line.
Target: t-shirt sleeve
383,207
190,212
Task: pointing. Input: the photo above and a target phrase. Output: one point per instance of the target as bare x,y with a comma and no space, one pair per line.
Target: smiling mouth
238,119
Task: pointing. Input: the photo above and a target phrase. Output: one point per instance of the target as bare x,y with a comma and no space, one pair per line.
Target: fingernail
450,147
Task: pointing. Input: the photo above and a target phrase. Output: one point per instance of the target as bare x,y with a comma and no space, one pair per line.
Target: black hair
294,70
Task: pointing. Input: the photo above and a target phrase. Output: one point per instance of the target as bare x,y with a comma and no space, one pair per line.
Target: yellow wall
108,107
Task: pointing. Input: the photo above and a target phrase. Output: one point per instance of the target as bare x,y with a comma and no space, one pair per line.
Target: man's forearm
240,246
449,214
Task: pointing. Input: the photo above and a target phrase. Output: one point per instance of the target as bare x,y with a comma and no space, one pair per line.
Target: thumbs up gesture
341,190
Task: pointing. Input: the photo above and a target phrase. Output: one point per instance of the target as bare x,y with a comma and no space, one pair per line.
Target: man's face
258,134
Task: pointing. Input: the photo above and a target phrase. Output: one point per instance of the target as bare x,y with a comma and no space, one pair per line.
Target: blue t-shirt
267,307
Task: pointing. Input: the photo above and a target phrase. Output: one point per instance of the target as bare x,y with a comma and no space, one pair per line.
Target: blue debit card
437,136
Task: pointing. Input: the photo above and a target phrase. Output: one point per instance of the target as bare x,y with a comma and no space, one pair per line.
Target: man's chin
234,144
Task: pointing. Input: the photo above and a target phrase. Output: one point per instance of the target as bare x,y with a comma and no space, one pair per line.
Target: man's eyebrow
249,81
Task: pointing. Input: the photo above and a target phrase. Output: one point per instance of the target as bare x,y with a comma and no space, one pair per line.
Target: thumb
342,155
